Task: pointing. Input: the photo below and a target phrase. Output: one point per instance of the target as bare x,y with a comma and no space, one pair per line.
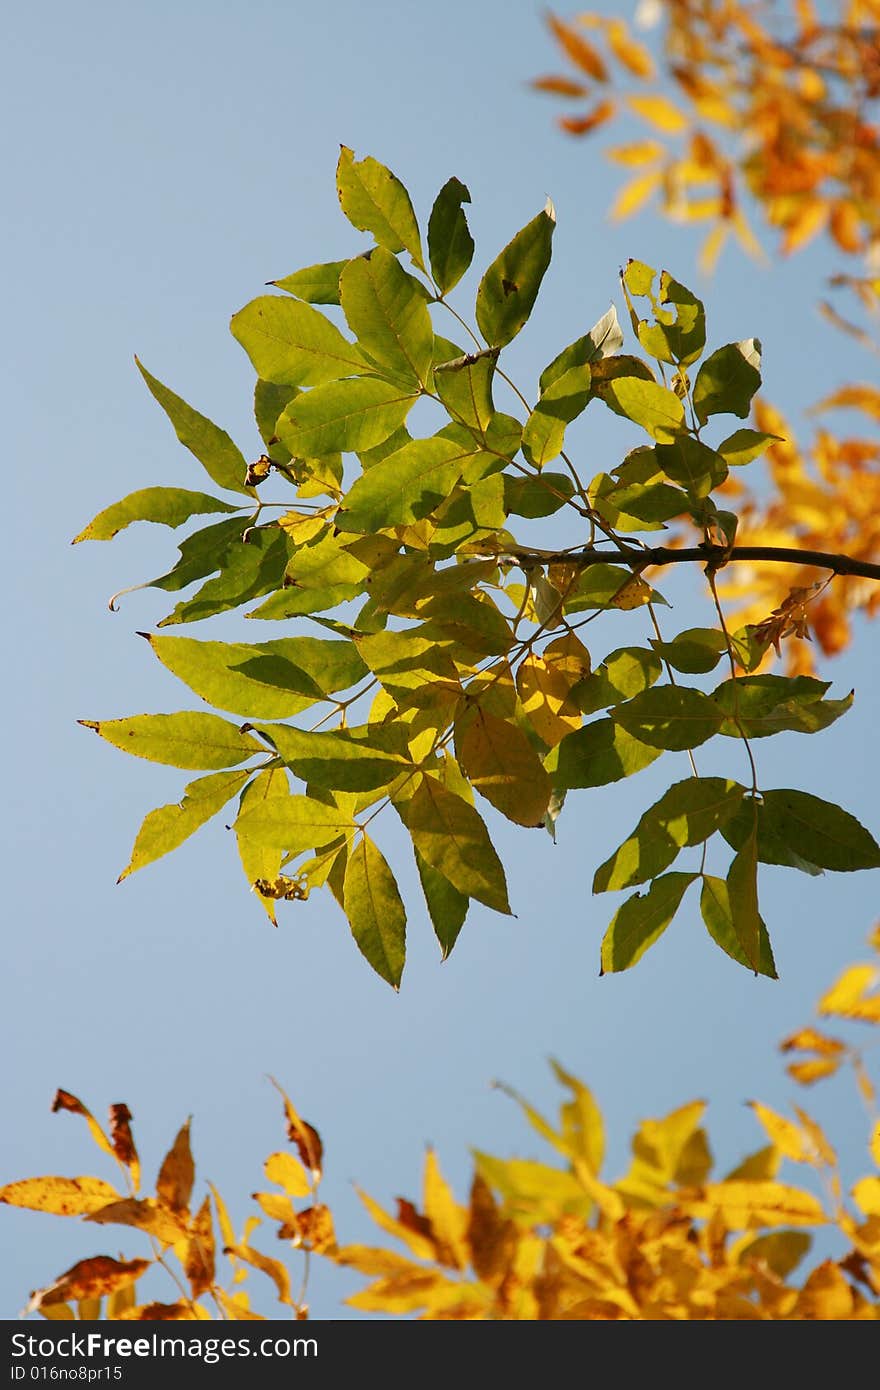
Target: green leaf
343,760
375,910
509,288
625,672
744,445
502,766
270,399
687,814
742,898
642,920
464,385
189,739
215,451
375,201
166,828
536,497
727,380
261,861
248,570
766,705
600,753
599,585
169,506
773,846
673,717
655,408
447,908
718,918
636,506
293,823
267,680
201,554
694,651
560,403
292,344
803,830
387,313
450,244
343,416
402,488
691,464
316,284
451,836
603,339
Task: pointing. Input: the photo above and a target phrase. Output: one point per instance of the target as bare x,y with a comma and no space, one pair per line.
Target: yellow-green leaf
188,740
642,920
509,288
503,766
385,309
375,910
169,826
451,836
375,201
292,344
168,506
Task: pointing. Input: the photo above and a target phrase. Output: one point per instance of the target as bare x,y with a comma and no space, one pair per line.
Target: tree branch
640,559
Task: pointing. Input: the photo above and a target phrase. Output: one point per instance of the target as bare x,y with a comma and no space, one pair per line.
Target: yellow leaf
226,1229
419,1244
237,1307
789,1138
503,766
867,1194
636,153
288,1172
712,247
276,1271
632,54
633,593
165,1312
811,1040
198,1259
849,997
660,112
807,223
745,1205
826,1295
89,1279
634,194
58,1312
312,1229
448,1220
757,1166
582,1126
406,1293
65,1101
817,1138
59,1196
806,1073
370,1260
276,1206
177,1174
544,689
145,1215
875,1143
301,526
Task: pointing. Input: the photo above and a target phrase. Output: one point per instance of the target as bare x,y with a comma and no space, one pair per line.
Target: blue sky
168,160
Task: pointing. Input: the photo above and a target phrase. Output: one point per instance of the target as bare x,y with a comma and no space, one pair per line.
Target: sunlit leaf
169,506
188,740
375,910
375,201
509,288
215,451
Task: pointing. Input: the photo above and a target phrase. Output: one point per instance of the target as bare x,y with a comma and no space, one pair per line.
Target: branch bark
715,555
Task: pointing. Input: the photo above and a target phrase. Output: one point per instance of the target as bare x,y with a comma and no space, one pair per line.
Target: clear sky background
163,161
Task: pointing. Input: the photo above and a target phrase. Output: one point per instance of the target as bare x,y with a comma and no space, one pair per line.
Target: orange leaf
276,1271
578,50
807,1072
807,223
560,86
312,1229
846,227
123,1142
65,1101
302,1134
176,1176
582,125
59,1196
91,1278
